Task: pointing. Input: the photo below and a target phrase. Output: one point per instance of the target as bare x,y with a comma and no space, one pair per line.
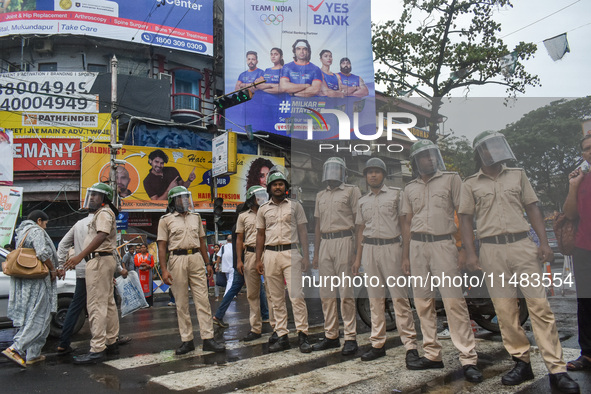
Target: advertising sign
149,173
48,92
186,25
11,199
314,56
224,151
6,164
86,127
46,154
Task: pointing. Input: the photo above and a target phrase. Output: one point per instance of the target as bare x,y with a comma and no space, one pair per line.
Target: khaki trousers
430,259
382,262
189,272
521,258
280,267
252,279
102,310
335,260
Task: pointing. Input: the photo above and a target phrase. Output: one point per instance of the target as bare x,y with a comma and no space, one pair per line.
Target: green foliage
443,45
457,155
21,5
546,144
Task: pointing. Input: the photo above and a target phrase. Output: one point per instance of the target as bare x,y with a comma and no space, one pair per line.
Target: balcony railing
186,102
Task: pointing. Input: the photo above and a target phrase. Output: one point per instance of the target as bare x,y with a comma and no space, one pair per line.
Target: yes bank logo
336,13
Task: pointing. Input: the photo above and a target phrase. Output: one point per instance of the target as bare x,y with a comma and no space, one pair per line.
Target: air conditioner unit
43,46
165,76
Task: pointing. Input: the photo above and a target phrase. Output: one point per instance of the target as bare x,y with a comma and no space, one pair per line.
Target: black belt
184,252
380,241
251,249
429,237
93,255
504,238
281,248
337,234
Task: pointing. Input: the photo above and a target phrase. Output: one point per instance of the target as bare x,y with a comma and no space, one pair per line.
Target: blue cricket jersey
332,81
351,80
307,73
250,76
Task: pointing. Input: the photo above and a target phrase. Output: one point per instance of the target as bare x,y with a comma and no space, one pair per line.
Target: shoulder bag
23,263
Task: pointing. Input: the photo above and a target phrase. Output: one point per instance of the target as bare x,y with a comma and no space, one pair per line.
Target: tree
454,46
546,143
458,155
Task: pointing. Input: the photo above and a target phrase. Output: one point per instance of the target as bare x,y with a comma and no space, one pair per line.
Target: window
47,67
96,68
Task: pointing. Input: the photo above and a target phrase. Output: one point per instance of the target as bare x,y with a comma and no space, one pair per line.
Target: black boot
185,348
519,374
564,383
412,356
472,374
210,345
373,353
350,348
90,358
326,343
424,363
251,336
273,338
305,346
281,344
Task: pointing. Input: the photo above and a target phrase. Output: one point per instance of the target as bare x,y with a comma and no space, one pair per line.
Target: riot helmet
426,157
180,200
334,169
492,147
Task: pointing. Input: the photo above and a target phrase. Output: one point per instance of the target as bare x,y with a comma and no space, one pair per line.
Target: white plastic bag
132,296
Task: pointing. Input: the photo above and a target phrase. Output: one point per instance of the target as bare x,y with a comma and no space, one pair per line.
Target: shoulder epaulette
471,176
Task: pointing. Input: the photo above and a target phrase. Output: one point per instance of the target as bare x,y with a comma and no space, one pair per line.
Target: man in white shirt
226,256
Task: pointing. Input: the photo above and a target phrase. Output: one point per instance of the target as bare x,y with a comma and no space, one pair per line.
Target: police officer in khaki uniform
378,246
181,234
428,205
100,245
246,238
335,211
497,196
280,222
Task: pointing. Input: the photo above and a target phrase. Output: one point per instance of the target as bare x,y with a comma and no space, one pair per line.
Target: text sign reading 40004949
47,92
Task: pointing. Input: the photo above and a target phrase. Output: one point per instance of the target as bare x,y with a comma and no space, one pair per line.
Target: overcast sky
568,77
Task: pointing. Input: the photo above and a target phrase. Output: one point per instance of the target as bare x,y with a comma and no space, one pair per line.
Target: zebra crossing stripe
210,377
165,356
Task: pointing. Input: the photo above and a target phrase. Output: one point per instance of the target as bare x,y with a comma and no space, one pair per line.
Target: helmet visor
261,196
94,199
333,172
494,150
183,202
429,161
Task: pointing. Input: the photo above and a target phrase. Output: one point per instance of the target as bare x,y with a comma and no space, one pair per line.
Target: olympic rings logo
272,19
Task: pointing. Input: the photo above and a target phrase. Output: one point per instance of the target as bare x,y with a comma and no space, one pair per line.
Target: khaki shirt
336,208
280,221
246,225
433,203
181,231
379,213
497,204
103,221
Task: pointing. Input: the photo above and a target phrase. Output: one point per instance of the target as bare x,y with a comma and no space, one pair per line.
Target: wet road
148,363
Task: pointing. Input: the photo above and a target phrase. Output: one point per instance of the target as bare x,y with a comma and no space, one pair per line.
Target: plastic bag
132,296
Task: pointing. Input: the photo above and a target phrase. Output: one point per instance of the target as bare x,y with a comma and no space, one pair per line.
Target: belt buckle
189,251
431,237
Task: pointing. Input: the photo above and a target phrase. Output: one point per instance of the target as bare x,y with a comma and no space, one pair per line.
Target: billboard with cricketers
314,55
